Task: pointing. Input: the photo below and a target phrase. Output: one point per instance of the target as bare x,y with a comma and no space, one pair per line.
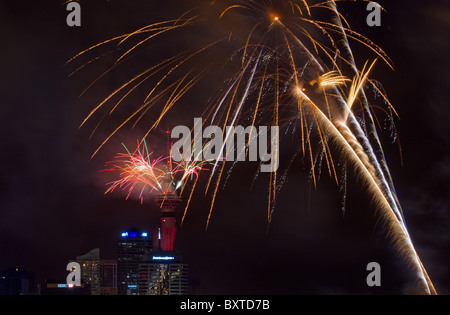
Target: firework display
286,63
138,170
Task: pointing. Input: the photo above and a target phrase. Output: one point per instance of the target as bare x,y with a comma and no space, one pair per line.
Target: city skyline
131,270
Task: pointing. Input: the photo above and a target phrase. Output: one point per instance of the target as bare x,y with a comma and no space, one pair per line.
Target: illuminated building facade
134,248
164,275
98,275
90,270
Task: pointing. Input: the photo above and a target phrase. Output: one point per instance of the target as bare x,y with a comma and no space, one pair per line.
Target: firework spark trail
244,97
134,169
399,235
355,153
374,172
386,188
287,60
349,116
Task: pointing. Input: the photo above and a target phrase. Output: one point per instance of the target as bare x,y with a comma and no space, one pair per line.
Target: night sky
52,202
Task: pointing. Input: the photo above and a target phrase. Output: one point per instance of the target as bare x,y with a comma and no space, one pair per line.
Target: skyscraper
134,247
108,276
99,276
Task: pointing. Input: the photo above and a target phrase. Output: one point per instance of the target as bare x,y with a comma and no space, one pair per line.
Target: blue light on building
134,234
134,248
